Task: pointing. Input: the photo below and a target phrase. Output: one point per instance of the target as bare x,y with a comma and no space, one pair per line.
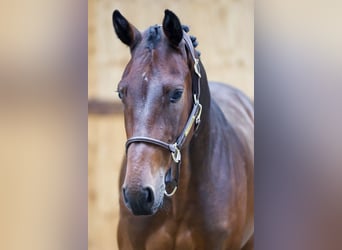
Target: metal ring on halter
172,193
197,68
176,155
199,113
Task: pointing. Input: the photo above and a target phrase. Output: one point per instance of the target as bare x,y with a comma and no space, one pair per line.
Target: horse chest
171,238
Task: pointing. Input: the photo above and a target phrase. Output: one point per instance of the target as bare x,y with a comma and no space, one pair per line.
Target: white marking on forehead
148,108
144,76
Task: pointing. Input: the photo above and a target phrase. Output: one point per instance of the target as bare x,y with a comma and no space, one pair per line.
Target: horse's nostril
149,195
124,195
139,200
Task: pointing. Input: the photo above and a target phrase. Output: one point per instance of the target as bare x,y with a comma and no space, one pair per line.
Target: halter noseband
194,118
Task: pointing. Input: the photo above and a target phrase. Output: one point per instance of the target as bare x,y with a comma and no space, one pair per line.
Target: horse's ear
125,31
172,28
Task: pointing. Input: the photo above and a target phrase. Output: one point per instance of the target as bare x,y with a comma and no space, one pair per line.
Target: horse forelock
154,34
153,37
154,53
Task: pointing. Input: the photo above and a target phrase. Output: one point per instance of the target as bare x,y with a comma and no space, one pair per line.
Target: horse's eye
176,95
120,93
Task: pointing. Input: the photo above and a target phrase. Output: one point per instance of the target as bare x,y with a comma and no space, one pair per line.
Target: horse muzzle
140,201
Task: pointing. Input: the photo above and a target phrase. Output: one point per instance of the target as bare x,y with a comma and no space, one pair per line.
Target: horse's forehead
154,62
157,66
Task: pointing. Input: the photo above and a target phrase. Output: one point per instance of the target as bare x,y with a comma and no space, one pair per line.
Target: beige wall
225,32
106,138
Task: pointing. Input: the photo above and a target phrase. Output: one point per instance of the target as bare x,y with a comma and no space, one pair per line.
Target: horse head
156,90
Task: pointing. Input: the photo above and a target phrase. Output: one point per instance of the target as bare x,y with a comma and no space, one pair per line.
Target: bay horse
186,180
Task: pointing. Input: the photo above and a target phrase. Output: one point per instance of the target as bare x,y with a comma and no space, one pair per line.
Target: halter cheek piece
194,119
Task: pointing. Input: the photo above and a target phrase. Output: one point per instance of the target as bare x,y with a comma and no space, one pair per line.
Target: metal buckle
172,193
176,156
199,113
198,117
197,68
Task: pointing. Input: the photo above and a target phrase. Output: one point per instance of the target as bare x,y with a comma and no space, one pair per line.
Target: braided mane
193,38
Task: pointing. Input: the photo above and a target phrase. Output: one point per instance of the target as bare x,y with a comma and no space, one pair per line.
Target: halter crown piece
194,119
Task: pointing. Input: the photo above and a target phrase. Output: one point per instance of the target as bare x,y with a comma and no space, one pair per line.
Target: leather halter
193,120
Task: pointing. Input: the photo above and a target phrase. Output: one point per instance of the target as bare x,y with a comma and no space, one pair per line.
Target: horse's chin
144,212
141,212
